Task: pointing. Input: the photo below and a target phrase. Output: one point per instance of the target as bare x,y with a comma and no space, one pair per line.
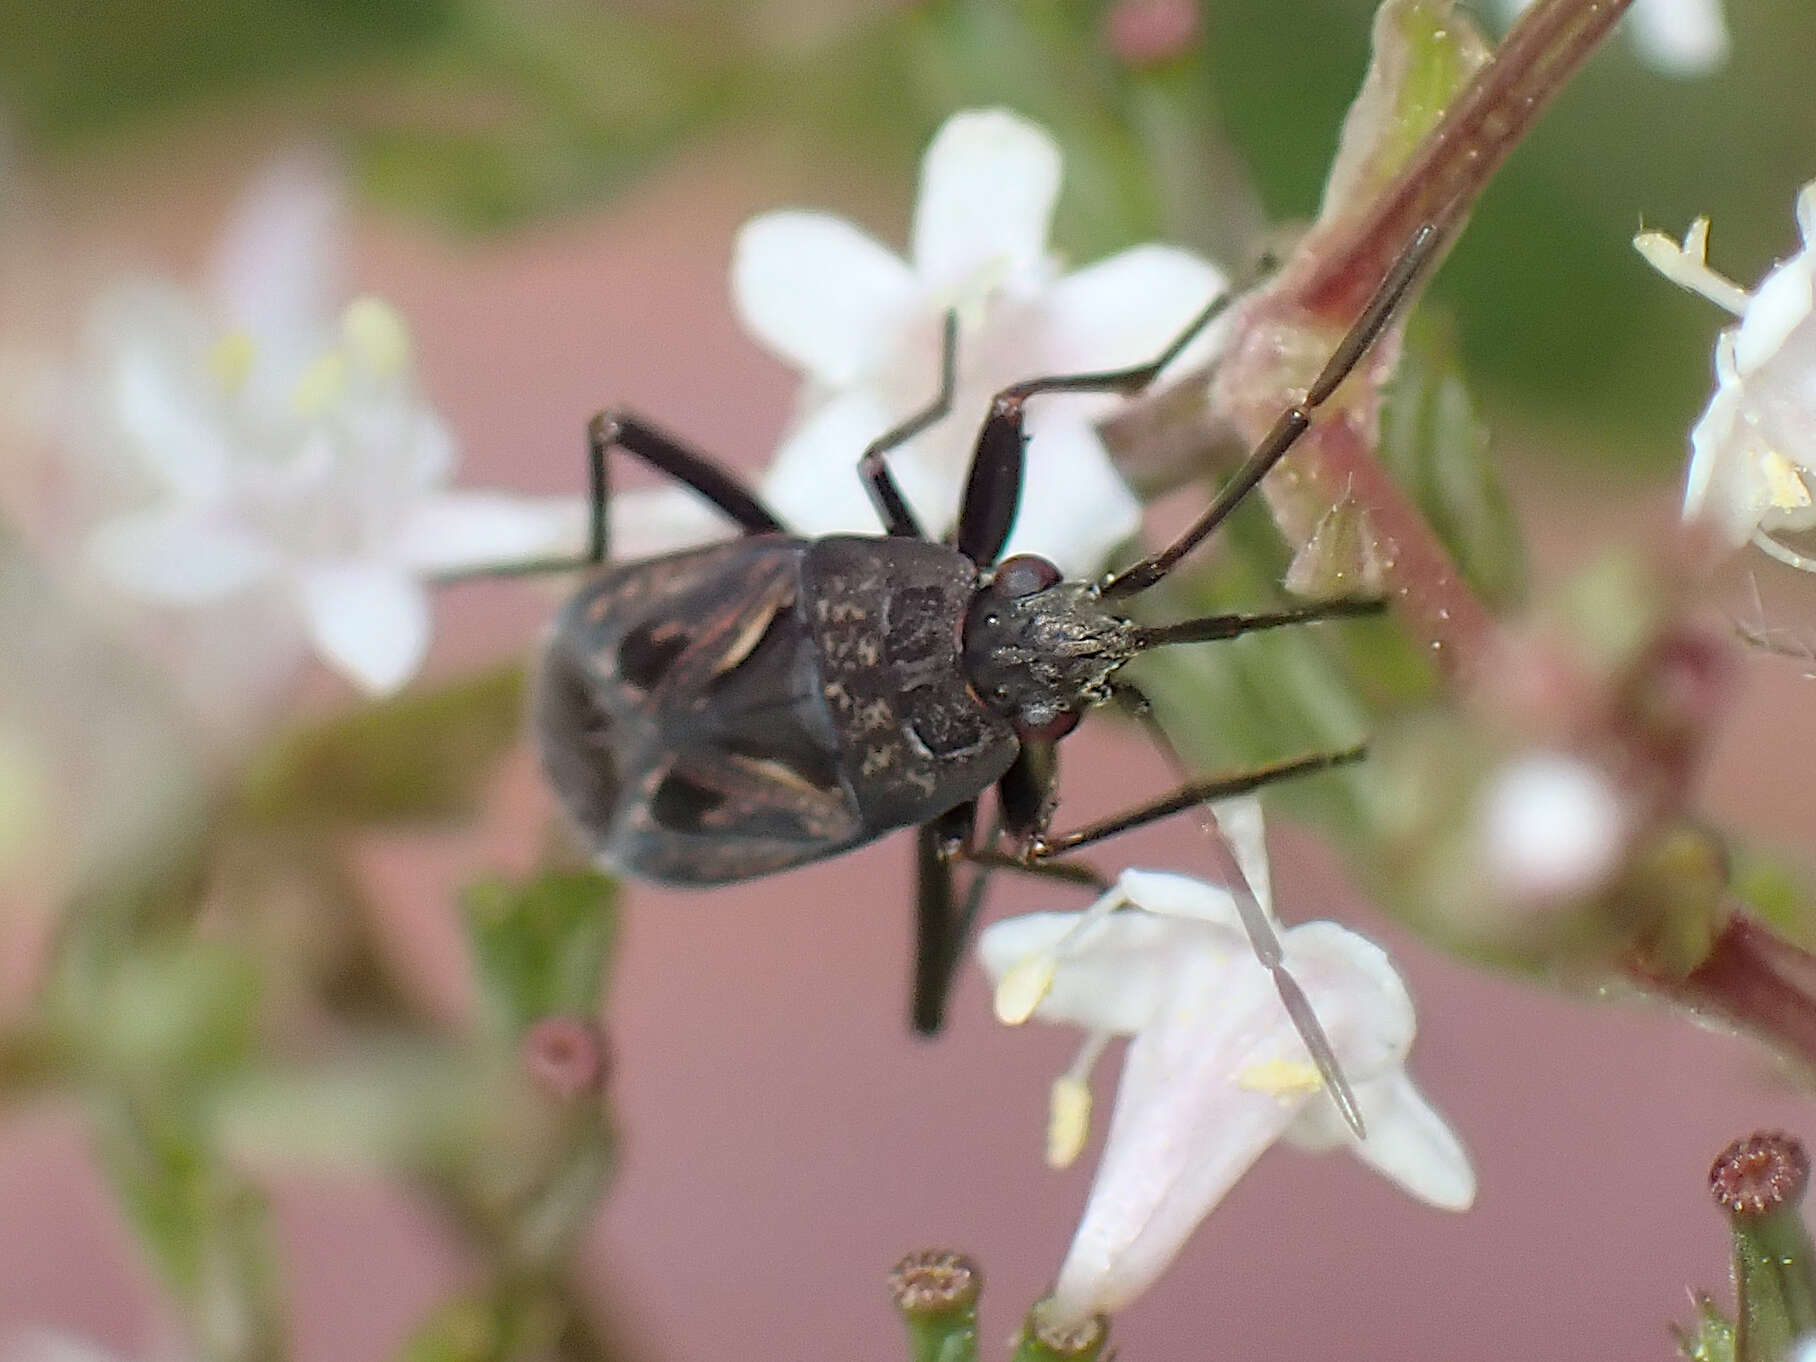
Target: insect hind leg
619,429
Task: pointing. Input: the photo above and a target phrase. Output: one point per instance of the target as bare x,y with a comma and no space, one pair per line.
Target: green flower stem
1040,1341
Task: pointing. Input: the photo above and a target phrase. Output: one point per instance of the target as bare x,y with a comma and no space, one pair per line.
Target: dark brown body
740,709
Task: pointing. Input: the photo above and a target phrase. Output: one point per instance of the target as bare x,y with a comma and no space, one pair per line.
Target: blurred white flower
287,449
1551,827
1677,37
1753,453
864,326
1215,1072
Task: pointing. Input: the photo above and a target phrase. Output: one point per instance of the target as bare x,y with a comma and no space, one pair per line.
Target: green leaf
540,946
418,758
1433,444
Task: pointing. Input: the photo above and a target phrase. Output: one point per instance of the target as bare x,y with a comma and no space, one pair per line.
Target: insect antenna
1209,628
1264,939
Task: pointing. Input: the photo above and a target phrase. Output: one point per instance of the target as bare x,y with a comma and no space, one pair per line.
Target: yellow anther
1785,487
321,385
1020,990
1068,1121
230,360
1281,1077
376,336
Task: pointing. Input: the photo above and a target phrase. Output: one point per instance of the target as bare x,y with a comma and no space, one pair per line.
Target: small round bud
1760,1173
1150,32
565,1056
935,1282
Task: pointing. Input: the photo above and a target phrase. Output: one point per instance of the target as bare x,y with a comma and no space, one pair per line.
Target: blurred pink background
784,1140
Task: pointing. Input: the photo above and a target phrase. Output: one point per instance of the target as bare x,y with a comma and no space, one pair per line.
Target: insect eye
1025,574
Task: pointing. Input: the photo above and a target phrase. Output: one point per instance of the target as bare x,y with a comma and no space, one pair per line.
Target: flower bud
935,1291
1760,1181
1044,1339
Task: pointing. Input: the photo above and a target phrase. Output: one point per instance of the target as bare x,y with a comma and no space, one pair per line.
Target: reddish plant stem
1461,155
1753,980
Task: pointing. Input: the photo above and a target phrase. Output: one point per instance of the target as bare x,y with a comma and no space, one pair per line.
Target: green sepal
540,946
417,758
1709,1338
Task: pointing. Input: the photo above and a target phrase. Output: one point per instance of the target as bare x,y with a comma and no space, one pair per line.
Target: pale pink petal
1075,507
177,555
370,621
452,531
1408,1142
277,270
1194,1109
988,185
1112,976
1124,310
820,293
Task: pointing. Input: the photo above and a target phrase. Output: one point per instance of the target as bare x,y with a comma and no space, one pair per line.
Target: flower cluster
1753,453
1215,1071
864,325
288,452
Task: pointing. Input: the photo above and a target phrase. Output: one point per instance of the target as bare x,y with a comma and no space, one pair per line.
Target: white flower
1551,827
288,451
1215,1072
1753,453
1678,37
864,326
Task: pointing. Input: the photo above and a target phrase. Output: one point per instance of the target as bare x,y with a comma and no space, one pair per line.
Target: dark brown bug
730,711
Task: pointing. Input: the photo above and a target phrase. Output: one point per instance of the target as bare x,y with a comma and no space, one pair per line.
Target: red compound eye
1025,574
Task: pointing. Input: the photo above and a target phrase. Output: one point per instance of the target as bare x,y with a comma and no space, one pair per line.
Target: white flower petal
820,293
1681,37
1780,305
450,531
988,185
155,399
370,621
1124,310
813,485
1182,1133
277,269
1075,507
1113,976
649,522
1408,1142
1168,895
177,555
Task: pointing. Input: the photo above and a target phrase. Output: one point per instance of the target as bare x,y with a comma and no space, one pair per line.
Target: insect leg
891,507
1293,422
993,486
617,429
942,923
1190,795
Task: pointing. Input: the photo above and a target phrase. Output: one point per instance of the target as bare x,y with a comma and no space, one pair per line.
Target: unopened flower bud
1760,1181
935,1291
1151,32
566,1056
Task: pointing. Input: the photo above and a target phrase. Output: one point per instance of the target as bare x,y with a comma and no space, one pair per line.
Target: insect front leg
993,486
942,919
891,506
